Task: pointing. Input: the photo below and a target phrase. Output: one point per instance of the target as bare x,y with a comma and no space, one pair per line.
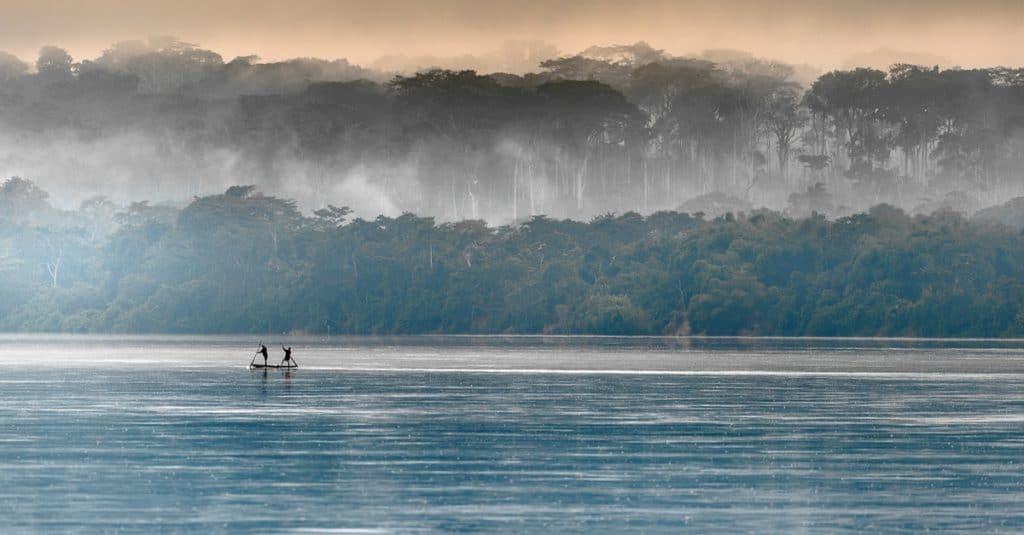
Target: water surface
512,434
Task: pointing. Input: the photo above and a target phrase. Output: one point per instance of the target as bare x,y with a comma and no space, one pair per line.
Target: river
511,434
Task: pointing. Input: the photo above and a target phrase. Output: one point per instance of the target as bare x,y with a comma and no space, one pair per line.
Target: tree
162,64
21,198
11,68
911,102
784,119
55,65
333,216
850,100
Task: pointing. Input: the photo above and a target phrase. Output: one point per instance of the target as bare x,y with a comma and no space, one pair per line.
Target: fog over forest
608,129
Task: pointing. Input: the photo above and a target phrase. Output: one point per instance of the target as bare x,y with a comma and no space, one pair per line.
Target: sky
824,33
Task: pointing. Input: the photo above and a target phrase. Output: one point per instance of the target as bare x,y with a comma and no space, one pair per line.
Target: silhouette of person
288,360
263,351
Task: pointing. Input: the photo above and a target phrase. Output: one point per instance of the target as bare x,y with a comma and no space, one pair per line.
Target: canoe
271,366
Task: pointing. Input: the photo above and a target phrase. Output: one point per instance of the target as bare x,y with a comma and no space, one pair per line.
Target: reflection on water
528,435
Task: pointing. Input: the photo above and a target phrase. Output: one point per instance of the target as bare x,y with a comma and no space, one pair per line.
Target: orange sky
819,32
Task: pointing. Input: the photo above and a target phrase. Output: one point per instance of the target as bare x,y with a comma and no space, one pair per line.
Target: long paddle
251,362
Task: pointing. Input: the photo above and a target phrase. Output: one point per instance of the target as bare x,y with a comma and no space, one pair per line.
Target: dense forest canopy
611,129
246,262
621,190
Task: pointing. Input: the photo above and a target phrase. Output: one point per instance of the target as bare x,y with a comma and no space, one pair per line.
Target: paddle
251,362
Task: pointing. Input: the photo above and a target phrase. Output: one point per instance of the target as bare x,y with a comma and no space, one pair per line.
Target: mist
607,129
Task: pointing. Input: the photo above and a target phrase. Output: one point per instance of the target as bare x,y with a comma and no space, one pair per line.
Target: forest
245,262
608,129
620,190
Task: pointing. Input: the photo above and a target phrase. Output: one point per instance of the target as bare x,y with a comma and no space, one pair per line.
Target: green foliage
611,314
243,262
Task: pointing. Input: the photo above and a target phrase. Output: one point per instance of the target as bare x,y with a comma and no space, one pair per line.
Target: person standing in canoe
288,360
263,351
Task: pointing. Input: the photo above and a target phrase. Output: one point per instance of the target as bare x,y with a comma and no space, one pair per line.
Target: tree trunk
54,267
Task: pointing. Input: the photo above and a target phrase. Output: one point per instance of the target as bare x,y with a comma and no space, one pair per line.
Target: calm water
511,435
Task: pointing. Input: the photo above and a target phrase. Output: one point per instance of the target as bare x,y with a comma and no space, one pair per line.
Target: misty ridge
609,130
